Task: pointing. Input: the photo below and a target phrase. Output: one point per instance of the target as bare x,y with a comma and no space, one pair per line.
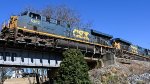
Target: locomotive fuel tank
70,44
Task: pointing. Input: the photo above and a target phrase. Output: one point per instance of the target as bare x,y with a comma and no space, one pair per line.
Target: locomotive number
81,34
35,21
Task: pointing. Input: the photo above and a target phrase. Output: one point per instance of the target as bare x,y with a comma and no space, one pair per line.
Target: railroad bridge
29,56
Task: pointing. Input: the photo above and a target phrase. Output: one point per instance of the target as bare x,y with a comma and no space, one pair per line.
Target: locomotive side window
35,16
47,19
58,22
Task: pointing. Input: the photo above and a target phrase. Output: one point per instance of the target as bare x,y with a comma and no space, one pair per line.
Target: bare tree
48,11
87,25
62,13
4,73
30,8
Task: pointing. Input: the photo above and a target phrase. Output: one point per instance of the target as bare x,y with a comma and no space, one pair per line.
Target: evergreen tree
73,69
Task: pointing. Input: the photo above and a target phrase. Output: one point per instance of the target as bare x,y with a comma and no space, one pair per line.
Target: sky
126,19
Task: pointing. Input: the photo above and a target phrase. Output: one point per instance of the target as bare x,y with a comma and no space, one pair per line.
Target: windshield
24,13
35,16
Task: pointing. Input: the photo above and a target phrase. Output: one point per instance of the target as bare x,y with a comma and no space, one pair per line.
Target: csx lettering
80,34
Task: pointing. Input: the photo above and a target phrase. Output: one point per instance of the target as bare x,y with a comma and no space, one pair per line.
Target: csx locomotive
129,48
32,28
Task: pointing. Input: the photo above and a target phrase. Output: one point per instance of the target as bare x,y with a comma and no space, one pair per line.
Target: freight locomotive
128,49
35,29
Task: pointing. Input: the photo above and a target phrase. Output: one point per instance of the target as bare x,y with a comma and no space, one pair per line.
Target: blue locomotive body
38,23
119,43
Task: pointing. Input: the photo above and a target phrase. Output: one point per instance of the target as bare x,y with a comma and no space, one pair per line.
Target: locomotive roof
122,40
97,33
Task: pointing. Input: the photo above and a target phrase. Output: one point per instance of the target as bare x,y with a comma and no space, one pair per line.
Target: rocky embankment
137,72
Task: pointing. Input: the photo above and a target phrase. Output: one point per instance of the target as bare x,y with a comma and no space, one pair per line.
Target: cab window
24,13
35,16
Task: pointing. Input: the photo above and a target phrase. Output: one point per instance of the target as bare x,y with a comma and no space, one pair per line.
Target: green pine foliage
73,69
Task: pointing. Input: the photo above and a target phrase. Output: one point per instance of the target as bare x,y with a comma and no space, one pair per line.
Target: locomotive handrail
136,54
63,37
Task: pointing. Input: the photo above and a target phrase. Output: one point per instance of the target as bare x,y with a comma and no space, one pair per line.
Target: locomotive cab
30,20
31,14
119,43
23,20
